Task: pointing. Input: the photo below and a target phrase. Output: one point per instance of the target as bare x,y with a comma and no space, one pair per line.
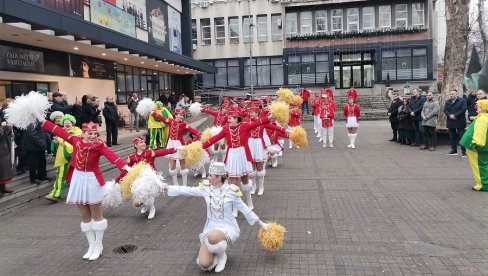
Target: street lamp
250,48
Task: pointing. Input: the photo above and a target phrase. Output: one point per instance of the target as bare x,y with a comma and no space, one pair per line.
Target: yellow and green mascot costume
158,131
474,140
63,151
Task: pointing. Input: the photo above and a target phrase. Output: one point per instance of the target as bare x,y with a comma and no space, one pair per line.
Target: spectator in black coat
35,145
471,103
90,110
416,104
172,99
111,119
163,98
60,105
77,112
455,110
393,115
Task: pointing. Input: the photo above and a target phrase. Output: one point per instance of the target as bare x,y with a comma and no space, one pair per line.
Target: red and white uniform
176,131
352,113
274,137
352,93
328,92
145,156
327,115
257,142
84,174
295,115
220,119
238,159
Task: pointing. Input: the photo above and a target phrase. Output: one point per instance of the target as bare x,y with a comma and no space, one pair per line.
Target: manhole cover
124,249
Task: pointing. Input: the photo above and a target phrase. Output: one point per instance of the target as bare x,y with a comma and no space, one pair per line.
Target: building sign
136,8
440,72
157,23
109,16
16,59
73,7
174,21
88,67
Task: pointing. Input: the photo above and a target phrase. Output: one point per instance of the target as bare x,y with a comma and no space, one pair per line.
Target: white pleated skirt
267,141
85,189
258,152
274,149
173,144
352,122
237,164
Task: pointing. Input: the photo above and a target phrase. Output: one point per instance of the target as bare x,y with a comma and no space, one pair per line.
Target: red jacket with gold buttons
220,119
85,157
146,156
352,110
176,129
258,132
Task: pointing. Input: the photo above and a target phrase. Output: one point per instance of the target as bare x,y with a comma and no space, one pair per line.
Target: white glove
4,124
263,225
288,130
127,168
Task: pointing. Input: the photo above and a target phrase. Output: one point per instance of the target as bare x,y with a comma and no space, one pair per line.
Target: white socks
352,140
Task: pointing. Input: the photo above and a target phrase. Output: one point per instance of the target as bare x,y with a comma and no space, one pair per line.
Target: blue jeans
418,131
305,104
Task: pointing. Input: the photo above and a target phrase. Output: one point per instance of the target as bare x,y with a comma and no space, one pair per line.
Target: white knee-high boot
99,227
260,177
246,189
252,179
90,236
350,139
184,176
274,160
174,176
291,144
149,205
353,140
219,251
223,152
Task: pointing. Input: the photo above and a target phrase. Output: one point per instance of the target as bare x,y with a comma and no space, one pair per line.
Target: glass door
368,72
337,76
356,76
346,76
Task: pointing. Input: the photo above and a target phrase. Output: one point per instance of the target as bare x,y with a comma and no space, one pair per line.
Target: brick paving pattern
381,209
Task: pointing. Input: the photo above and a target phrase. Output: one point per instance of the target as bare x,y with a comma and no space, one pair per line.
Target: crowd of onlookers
414,119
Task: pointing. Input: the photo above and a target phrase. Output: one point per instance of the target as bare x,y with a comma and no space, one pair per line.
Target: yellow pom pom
281,111
285,95
128,179
298,136
297,100
206,134
272,238
192,153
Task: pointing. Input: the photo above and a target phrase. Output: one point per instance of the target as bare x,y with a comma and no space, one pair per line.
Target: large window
294,69
388,64
219,24
418,15
353,20
206,31
247,73
385,17
208,80
401,15
419,63
262,23
247,30
337,20
308,68
306,22
221,76
276,34
321,21
234,29
368,18
321,67
264,71
291,23
277,71
233,76
194,35
404,64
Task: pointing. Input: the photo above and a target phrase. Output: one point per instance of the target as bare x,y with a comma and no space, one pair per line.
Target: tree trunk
481,23
457,23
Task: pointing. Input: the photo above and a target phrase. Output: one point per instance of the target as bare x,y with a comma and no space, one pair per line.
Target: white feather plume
195,109
113,197
27,109
216,130
145,107
148,184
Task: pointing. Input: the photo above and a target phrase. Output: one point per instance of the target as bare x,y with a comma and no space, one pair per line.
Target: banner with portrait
157,23
73,7
136,8
174,22
21,60
109,16
89,67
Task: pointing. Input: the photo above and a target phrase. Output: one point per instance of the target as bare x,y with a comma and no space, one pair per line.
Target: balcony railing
364,33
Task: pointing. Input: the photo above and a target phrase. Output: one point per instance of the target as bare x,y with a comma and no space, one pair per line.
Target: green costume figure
474,140
158,131
63,151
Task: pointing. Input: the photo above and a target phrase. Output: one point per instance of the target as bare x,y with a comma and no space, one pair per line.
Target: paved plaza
379,209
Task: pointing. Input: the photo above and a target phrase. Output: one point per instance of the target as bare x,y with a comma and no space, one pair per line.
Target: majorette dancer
352,113
316,116
177,127
295,115
327,115
276,144
257,147
148,156
352,93
221,228
86,181
238,159
220,120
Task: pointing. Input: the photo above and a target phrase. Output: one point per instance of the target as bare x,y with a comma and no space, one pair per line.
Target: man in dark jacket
111,120
471,103
163,98
59,104
416,104
35,145
455,110
172,100
393,114
134,116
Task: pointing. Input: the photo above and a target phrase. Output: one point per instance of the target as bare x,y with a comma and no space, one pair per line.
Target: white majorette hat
217,168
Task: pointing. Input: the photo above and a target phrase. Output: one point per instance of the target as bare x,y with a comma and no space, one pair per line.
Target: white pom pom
114,195
216,130
195,109
145,107
27,109
204,159
148,184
